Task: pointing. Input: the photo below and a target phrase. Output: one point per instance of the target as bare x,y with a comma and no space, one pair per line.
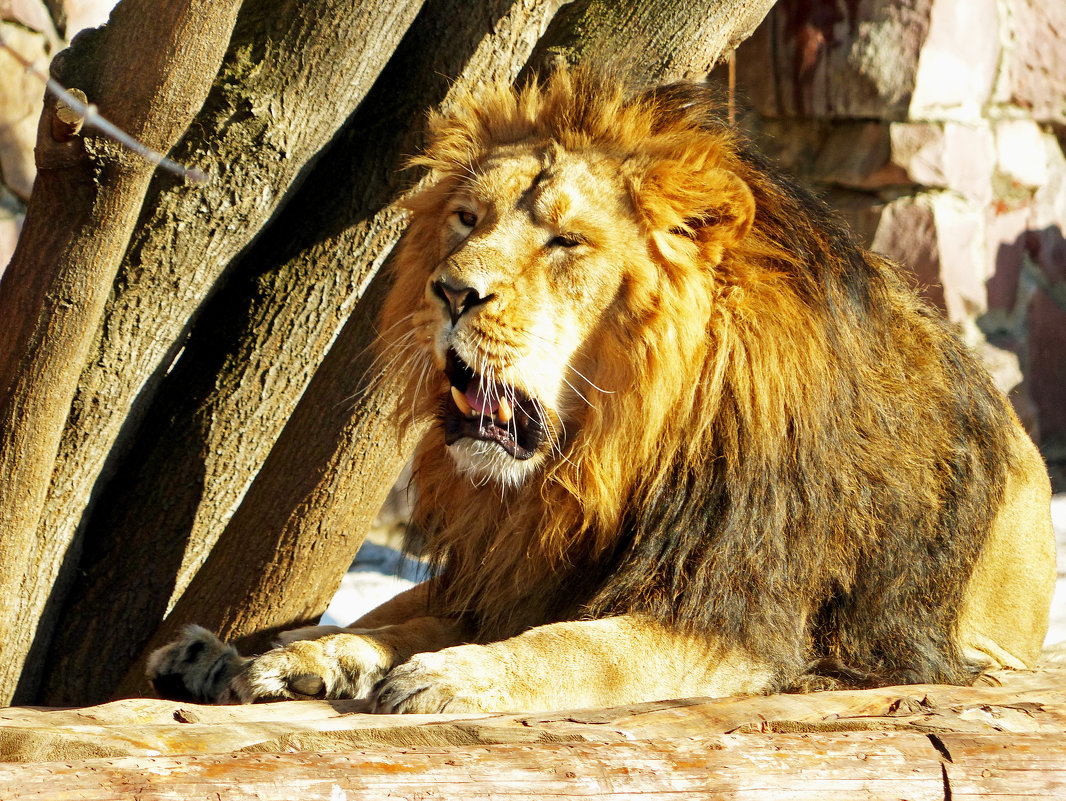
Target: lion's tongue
493,403
481,402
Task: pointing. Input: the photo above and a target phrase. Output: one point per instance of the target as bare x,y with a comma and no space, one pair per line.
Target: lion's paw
466,678
197,667
341,665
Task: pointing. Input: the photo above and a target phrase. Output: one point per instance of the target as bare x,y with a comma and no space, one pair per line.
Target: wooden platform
1003,739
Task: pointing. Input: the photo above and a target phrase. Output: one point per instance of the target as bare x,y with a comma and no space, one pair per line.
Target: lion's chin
486,462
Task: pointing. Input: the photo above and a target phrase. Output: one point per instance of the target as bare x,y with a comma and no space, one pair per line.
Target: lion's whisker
578,393
380,336
392,355
537,404
390,347
554,440
589,381
418,387
380,332
582,376
481,365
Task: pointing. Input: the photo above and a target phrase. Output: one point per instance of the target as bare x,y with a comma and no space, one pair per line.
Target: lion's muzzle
483,409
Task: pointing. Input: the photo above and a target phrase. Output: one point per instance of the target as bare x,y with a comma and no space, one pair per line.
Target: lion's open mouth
491,412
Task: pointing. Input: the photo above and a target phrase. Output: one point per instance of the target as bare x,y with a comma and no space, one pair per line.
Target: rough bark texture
918,742
151,71
653,42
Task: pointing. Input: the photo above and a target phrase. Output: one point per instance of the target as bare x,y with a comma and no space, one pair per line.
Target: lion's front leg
580,664
344,663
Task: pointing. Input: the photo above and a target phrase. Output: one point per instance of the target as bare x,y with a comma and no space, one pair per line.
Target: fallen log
1004,738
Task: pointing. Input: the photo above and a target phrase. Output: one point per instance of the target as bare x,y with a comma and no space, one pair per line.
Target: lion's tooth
462,402
504,413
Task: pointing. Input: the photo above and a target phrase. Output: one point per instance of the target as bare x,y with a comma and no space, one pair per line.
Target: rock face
936,129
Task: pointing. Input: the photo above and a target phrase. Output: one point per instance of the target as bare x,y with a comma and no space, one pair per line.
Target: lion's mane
791,453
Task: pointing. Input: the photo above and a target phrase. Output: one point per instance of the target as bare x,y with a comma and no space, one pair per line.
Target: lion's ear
712,208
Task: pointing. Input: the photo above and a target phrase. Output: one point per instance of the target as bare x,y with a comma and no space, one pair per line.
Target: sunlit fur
781,445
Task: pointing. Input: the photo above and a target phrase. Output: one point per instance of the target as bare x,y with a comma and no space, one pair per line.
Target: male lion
689,438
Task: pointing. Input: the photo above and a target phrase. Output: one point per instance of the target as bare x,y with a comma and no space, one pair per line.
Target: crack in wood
938,744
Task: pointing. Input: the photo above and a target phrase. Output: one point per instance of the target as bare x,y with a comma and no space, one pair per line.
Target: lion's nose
459,299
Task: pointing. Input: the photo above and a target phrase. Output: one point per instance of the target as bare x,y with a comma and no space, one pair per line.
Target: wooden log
881,765
808,767
924,741
1026,702
983,766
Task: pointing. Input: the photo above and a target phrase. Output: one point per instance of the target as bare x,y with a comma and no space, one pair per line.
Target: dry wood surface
1003,739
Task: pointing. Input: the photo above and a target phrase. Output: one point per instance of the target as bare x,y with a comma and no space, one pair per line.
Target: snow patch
377,574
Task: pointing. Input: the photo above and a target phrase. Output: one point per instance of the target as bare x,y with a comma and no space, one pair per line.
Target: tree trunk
150,72
651,42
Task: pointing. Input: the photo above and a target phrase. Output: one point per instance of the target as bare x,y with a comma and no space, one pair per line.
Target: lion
688,438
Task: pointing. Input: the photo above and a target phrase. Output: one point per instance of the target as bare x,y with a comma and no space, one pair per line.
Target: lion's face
553,290
531,251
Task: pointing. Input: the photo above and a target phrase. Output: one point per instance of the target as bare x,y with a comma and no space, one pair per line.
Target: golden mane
767,424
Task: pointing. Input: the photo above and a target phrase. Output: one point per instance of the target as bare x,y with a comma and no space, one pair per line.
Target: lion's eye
566,241
466,218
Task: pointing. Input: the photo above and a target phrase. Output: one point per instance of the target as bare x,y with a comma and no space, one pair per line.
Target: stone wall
936,127
37,29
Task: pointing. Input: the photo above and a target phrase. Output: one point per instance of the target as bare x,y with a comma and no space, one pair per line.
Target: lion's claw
307,684
452,680
334,666
404,690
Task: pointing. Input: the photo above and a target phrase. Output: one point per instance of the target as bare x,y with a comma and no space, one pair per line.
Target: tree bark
278,98
151,70
650,42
